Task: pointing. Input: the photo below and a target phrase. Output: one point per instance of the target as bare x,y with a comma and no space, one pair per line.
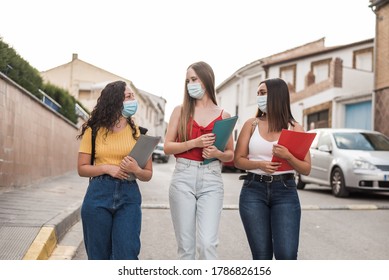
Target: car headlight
363,164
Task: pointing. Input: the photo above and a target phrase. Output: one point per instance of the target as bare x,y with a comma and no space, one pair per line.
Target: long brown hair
207,77
279,114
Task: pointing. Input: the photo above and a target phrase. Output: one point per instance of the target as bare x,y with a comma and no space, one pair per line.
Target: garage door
358,115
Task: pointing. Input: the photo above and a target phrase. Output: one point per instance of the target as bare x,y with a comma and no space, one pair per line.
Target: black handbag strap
92,159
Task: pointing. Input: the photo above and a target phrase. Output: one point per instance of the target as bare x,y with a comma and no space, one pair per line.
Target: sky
152,42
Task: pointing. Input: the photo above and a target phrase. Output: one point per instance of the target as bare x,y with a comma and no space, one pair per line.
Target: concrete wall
35,142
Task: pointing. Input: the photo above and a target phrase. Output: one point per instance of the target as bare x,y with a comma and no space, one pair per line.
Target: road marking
43,245
362,207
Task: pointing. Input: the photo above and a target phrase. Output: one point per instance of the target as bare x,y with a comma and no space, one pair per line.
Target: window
288,74
363,59
84,94
253,87
318,120
321,70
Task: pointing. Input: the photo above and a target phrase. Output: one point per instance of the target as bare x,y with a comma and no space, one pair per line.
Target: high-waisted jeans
271,214
111,219
196,198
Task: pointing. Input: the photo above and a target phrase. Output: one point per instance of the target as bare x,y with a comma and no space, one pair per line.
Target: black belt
267,178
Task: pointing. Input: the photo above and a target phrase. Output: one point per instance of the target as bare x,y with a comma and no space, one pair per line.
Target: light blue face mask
262,102
129,108
195,90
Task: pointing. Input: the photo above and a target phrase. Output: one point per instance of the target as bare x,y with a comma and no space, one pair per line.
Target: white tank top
261,150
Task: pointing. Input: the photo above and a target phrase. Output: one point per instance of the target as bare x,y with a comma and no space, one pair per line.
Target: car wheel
338,184
300,184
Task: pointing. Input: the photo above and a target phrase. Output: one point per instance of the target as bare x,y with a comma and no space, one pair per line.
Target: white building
85,82
329,86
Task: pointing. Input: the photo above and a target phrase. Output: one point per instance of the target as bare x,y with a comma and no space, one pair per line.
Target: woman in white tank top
269,205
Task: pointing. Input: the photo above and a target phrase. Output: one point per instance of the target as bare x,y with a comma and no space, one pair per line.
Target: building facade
329,86
85,81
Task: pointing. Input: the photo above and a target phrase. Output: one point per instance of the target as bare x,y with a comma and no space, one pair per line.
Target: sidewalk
34,219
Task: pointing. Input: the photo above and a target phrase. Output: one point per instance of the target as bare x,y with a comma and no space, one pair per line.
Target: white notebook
142,151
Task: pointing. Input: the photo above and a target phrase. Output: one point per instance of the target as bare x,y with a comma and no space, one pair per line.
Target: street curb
51,233
43,245
67,248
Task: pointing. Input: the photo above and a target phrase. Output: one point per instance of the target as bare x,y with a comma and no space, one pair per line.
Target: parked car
348,160
229,166
159,154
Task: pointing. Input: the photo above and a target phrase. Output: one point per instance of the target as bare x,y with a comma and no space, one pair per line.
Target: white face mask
262,102
195,90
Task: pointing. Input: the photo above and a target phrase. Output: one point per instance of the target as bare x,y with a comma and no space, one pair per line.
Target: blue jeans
271,214
111,219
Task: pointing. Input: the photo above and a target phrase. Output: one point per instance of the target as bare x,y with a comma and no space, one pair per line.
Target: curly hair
108,109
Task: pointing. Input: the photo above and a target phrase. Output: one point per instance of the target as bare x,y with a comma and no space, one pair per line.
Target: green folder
222,129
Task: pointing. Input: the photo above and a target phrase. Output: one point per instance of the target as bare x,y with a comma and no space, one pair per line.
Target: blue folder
222,129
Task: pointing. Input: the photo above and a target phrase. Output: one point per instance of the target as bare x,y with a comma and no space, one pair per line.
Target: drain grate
15,241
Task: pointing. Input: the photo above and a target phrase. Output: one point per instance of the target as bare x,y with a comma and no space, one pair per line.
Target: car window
377,141
361,141
325,139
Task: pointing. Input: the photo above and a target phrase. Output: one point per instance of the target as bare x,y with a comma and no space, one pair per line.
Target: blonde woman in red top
196,189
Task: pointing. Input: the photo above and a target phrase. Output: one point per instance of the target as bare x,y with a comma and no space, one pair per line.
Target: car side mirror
324,148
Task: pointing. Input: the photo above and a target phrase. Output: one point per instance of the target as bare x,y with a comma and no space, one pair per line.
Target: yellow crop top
110,149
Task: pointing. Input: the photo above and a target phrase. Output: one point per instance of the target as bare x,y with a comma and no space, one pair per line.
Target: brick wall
382,48
381,111
35,142
382,70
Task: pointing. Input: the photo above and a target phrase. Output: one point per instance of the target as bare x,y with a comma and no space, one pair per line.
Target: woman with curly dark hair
111,210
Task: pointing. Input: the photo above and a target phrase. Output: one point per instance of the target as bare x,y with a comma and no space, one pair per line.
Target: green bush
63,98
21,72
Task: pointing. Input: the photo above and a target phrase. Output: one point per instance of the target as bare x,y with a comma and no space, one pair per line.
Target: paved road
327,230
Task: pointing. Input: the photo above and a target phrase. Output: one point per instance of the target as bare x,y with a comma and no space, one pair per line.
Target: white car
159,154
348,160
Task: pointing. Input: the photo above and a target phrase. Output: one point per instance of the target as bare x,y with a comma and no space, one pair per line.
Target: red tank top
197,130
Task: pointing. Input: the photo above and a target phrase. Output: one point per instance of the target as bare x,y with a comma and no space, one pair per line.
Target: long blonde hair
207,77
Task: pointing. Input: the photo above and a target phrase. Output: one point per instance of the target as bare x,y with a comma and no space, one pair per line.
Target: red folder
298,144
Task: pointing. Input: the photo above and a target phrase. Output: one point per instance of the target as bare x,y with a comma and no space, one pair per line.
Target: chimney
74,56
